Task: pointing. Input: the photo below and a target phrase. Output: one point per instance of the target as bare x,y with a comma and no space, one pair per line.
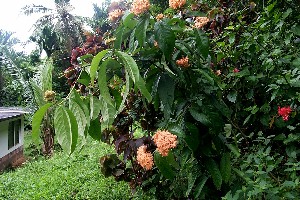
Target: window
14,128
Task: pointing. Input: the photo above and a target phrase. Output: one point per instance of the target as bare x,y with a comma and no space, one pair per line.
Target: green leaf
166,89
200,186
200,117
108,113
192,139
225,167
80,116
95,63
215,173
165,38
234,149
175,129
104,91
164,166
95,129
126,92
38,94
47,76
192,177
296,30
141,29
119,36
66,128
128,20
296,62
232,96
202,43
84,79
37,120
95,107
134,73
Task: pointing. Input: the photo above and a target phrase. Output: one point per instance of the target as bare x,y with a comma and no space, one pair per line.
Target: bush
218,81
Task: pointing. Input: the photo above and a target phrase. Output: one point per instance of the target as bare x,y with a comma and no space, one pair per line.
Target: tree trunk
48,139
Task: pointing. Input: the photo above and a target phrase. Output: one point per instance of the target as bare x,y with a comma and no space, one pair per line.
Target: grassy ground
62,177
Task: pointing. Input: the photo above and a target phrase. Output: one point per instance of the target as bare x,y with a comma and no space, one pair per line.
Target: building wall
4,137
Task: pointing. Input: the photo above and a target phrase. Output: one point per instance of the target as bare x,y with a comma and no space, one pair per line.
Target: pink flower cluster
200,22
183,62
164,141
284,112
144,158
175,4
140,6
115,15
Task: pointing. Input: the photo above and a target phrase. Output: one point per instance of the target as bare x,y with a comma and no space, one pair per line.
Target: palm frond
30,9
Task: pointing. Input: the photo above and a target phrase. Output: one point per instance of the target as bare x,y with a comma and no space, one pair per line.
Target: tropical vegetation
199,99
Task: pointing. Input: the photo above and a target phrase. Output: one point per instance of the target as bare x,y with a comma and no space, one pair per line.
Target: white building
11,136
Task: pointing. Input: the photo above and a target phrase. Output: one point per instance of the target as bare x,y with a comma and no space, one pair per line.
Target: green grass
63,177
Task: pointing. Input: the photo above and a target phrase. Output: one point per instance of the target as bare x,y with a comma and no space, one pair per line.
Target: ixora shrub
200,101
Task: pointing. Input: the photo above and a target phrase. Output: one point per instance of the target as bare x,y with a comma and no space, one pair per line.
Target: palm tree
57,29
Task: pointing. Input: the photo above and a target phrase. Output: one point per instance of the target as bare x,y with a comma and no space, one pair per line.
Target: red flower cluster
284,112
236,70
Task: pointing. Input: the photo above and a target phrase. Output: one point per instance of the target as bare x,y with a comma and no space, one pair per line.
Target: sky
11,18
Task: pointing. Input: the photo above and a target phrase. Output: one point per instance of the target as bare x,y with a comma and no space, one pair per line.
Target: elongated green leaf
202,43
95,64
165,38
80,116
108,113
38,94
164,167
83,105
65,128
104,91
201,117
215,173
234,149
225,167
74,130
192,177
126,92
166,89
36,122
200,186
134,73
47,76
141,29
95,107
119,36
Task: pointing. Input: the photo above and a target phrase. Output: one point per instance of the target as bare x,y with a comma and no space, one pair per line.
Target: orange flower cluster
144,158
140,6
175,4
159,16
183,62
200,22
164,141
115,15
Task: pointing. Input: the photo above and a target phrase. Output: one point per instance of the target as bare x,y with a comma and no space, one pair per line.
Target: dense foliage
200,101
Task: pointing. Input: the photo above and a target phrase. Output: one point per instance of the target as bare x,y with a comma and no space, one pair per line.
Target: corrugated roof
9,112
